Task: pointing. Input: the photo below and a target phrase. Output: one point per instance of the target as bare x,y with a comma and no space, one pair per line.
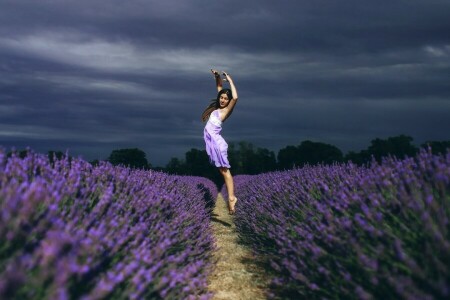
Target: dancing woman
216,113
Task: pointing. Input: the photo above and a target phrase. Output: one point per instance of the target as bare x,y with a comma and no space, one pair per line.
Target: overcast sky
95,76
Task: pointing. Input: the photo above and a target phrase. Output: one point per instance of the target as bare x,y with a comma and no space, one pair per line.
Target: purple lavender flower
78,225
374,226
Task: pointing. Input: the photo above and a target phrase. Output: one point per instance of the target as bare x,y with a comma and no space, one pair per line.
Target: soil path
237,275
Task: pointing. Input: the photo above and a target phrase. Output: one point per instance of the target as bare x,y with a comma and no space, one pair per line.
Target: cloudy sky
94,76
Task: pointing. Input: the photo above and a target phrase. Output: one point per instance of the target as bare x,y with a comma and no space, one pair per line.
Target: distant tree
308,152
133,158
288,157
266,161
197,162
175,166
242,157
437,147
316,152
359,158
234,159
397,146
245,158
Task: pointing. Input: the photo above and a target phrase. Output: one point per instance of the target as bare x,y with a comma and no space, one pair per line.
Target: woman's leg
230,187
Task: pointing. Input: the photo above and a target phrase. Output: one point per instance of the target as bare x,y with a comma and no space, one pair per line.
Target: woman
216,113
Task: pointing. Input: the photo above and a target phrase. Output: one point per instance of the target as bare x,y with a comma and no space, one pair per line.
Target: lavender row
71,230
347,232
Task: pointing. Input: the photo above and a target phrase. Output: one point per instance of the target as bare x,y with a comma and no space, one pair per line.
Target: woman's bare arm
218,80
234,94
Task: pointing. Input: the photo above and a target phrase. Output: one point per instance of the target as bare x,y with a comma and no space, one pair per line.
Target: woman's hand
227,76
218,79
215,73
233,88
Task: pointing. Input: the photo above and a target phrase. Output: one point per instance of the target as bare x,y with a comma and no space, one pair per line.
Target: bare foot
231,205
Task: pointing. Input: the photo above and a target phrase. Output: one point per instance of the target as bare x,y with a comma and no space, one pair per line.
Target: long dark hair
215,104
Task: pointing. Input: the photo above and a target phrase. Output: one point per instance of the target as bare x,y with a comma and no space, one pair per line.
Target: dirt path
237,275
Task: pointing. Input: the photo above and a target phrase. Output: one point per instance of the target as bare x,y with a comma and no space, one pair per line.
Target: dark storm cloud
93,76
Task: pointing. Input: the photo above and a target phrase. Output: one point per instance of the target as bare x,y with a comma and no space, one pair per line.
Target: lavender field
69,230
349,232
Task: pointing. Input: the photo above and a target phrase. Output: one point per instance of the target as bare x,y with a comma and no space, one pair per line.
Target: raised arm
234,94
218,80
233,88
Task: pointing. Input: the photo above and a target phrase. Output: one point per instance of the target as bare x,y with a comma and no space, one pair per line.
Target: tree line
245,158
